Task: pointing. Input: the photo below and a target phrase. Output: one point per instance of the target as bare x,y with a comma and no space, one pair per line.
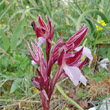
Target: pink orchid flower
44,33
66,54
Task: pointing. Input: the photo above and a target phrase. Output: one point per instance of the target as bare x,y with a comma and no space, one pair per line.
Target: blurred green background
16,16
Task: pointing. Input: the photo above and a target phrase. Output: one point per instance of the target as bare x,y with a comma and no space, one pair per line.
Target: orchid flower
44,33
66,54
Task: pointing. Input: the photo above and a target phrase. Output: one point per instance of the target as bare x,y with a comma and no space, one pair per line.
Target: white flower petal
74,74
33,63
86,52
41,40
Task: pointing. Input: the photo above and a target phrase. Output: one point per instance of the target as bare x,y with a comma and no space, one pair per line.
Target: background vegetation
16,71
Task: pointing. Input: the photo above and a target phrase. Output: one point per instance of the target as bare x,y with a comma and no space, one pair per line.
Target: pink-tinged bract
66,54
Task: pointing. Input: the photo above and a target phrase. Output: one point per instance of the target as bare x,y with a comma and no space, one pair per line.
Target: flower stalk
66,54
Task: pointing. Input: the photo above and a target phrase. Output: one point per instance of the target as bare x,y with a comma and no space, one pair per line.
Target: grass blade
4,12
16,34
5,40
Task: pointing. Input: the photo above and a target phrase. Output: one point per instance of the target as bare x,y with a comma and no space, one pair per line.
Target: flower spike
66,54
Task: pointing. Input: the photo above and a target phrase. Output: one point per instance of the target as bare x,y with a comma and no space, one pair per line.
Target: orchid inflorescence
66,54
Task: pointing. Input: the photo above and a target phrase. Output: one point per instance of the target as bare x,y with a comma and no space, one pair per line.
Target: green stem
68,98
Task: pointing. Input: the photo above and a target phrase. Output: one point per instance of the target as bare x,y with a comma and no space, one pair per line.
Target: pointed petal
49,26
43,69
74,59
79,39
58,47
52,32
75,40
54,80
35,49
36,42
31,54
82,28
38,55
55,53
41,22
60,59
60,40
36,84
72,38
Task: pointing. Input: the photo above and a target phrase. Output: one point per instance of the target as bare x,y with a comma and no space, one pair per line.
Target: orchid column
66,54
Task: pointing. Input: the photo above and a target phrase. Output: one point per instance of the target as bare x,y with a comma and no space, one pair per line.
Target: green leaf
88,19
17,33
5,40
15,85
90,12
